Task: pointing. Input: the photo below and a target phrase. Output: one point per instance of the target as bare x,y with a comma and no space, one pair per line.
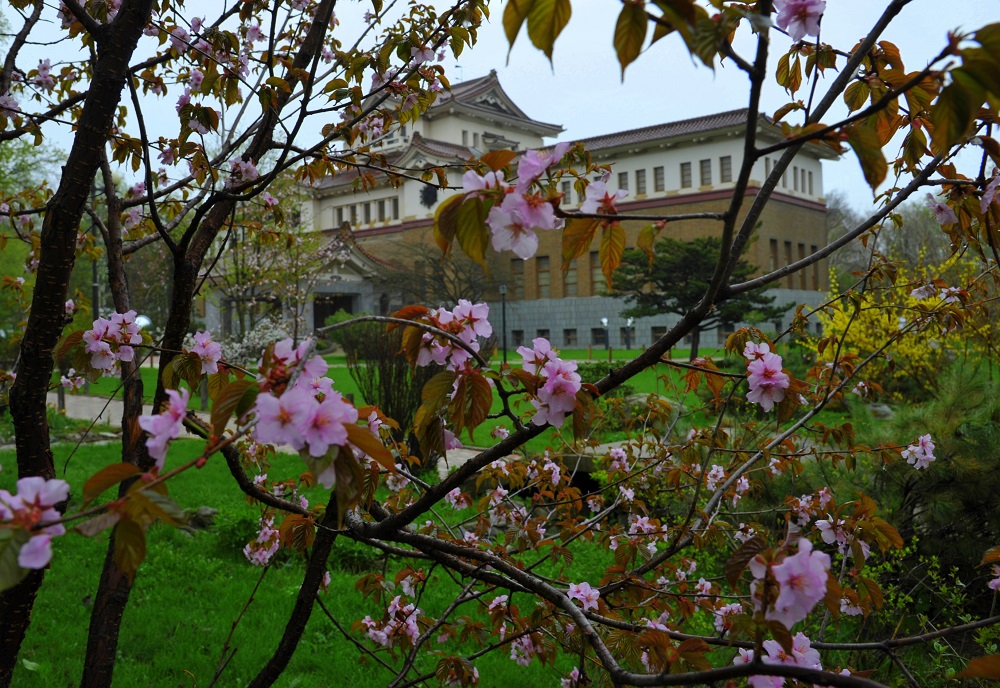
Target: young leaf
546,20
514,14
11,542
576,239
612,249
105,478
226,401
867,146
297,532
736,564
498,159
130,546
362,438
630,33
987,667
446,222
471,231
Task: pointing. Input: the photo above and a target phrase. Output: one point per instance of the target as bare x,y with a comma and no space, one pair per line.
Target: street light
503,320
607,333
628,332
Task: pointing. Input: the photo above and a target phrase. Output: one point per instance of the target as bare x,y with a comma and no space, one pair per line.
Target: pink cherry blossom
166,425
989,194
473,184
511,233
208,351
752,351
36,553
942,211
598,200
325,426
802,579
534,163
767,381
585,594
800,18
279,419
921,454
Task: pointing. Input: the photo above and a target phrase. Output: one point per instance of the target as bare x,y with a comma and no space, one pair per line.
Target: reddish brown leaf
105,478
362,438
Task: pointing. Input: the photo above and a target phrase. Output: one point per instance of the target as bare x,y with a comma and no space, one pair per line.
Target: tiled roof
346,236
441,149
685,127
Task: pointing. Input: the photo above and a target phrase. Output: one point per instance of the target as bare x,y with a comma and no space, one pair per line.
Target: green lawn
192,587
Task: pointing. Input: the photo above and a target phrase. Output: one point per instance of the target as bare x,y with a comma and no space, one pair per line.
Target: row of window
802,179
543,277
366,213
805,277
626,335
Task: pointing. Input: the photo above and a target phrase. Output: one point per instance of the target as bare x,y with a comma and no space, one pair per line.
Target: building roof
485,97
684,127
439,149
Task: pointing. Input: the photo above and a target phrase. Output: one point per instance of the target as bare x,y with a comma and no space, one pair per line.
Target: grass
192,587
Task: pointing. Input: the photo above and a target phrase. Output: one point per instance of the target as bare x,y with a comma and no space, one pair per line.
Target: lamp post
607,333
503,320
628,333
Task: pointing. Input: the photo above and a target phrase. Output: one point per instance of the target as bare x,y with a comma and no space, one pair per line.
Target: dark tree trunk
45,322
695,340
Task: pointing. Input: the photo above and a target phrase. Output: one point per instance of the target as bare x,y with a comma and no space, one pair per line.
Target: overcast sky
583,90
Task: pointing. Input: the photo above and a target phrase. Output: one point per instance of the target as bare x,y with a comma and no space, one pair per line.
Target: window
598,336
795,178
623,180
395,209
402,131
774,255
640,181
659,181
685,175
569,280
381,211
354,215
784,179
517,279
569,338
627,336
767,167
567,191
657,331
788,261
542,277
802,273
542,333
726,329
465,138
518,337
705,168
475,140
368,213
596,274
726,168
340,216
810,183
802,186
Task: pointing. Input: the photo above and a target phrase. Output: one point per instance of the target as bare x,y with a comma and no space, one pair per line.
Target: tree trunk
45,322
695,339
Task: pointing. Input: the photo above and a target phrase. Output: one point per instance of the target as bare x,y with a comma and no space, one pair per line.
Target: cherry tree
280,74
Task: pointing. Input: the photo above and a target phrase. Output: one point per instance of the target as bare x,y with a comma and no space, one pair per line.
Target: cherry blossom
921,454
586,595
34,503
802,579
166,425
599,200
767,381
208,351
800,18
989,194
534,163
942,211
259,551
510,233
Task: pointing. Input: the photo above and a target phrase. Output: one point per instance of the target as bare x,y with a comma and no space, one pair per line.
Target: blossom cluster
468,321
110,341
401,622
259,551
310,416
586,595
764,374
920,455
521,212
561,382
801,580
802,654
34,503
208,351
800,18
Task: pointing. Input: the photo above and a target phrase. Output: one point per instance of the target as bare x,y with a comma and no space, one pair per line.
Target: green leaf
105,478
630,33
867,146
856,95
514,14
955,110
472,233
436,390
11,542
446,222
130,546
546,20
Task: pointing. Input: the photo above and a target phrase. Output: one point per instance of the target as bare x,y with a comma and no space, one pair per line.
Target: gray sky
583,90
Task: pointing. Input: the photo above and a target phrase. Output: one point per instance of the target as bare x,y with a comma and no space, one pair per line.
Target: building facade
687,166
